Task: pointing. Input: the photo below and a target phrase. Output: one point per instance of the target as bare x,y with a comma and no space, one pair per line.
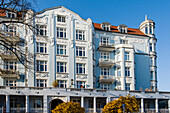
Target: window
61,18
11,30
80,68
80,51
11,15
146,29
41,83
104,71
41,66
150,47
80,84
61,50
13,102
151,75
61,67
62,84
104,40
41,48
9,65
151,61
123,41
127,71
105,86
41,30
127,86
61,33
77,100
118,72
9,82
80,35
150,29
37,103
105,55
127,56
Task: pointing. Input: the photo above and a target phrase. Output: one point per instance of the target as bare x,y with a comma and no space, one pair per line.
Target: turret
148,27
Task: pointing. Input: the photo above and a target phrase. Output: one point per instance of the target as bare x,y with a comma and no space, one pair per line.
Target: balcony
6,55
10,36
107,79
9,74
106,47
106,62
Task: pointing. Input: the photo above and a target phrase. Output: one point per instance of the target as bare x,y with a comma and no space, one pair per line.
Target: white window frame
105,71
9,64
41,63
105,86
61,65
105,55
61,48
127,86
42,46
62,82
61,18
122,41
11,29
81,84
10,82
63,31
80,51
80,35
82,67
41,30
127,56
41,81
127,71
104,40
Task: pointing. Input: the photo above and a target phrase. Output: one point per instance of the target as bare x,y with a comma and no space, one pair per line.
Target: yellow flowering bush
68,107
116,106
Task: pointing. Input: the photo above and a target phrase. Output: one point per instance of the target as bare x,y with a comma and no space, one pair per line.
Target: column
27,103
132,70
107,100
68,98
82,101
45,104
94,104
156,105
142,105
122,52
7,103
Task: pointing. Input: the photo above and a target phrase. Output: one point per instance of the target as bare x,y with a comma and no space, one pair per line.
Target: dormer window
106,26
122,28
11,15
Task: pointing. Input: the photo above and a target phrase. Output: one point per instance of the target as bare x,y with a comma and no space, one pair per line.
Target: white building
84,58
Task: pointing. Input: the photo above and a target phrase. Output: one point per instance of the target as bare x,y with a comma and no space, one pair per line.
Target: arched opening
55,103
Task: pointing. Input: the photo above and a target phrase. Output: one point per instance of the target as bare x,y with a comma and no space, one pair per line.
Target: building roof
131,31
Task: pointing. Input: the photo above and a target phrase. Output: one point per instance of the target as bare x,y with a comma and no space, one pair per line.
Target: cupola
148,27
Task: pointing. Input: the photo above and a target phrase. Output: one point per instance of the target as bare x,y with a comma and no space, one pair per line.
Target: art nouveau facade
85,58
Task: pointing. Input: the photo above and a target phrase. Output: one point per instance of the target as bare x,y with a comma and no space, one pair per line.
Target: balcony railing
9,36
107,79
36,110
106,46
9,74
17,110
106,62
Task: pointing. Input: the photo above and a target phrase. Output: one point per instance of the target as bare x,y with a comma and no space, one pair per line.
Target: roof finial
146,18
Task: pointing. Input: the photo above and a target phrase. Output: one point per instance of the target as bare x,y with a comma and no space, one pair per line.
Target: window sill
42,53
61,72
81,57
42,72
81,74
63,55
81,40
62,38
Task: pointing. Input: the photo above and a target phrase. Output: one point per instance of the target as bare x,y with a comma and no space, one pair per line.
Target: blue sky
131,13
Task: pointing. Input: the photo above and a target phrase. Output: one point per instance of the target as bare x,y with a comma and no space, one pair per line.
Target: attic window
11,15
122,28
61,18
106,26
